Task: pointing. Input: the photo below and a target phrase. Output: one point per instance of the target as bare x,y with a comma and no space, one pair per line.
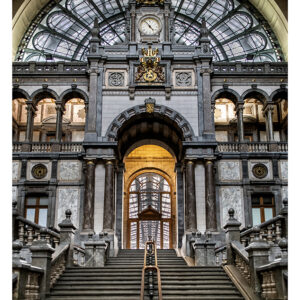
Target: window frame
262,206
36,207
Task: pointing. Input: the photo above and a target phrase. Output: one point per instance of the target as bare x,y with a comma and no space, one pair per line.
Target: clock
150,26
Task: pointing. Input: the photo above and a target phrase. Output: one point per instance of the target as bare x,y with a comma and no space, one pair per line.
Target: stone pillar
15,214
67,231
210,197
95,252
119,204
258,252
232,230
180,203
191,214
30,119
240,121
200,255
41,257
132,29
109,213
59,113
269,122
208,124
88,212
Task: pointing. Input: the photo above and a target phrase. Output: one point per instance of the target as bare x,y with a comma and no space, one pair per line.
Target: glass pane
43,217
149,228
31,201
43,200
255,200
268,199
166,205
268,213
256,218
133,235
166,235
30,214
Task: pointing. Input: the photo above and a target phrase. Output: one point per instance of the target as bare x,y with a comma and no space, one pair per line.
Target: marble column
240,121
269,122
30,119
89,199
119,203
109,214
132,29
210,197
59,113
180,203
191,217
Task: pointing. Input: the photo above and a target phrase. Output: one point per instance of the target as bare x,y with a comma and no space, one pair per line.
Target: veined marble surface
283,167
284,192
230,170
67,198
15,170
232,197
14,193
69,170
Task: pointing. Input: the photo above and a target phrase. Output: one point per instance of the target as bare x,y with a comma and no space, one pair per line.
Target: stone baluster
67,233
191,219
232,233
89,199
30,236
210,196
21,232
258,252
108,218
240,121
41,257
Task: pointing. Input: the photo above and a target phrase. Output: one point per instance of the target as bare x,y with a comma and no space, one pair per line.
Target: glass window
36,209
263,208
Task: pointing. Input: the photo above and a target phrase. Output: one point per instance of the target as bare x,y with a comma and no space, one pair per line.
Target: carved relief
38,170
232,197
183,78
230,170
116,79
69,170
260,170
68,198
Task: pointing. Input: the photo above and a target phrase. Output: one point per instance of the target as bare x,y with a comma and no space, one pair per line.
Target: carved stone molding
116,79
183,79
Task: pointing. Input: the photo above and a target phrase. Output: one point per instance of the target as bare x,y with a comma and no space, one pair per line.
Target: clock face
150,26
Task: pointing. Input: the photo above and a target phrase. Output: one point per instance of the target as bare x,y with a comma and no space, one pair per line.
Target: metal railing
150,251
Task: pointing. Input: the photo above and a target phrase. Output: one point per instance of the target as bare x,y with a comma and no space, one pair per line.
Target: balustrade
250,147
45,147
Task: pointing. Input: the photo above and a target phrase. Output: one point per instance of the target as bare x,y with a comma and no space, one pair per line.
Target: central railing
150,253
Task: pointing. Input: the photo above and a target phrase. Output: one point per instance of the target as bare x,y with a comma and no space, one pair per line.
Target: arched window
149,211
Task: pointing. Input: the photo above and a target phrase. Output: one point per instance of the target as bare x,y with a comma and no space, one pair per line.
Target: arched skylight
61,31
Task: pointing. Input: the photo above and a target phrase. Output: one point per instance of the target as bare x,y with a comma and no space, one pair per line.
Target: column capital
268,107
30,106
206,71
93,71
239,106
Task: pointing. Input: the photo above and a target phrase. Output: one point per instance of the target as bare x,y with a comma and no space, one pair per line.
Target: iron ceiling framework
62,29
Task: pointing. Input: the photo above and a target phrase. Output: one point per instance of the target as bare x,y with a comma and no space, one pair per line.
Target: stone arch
279,93
226,93
73,93
42,94
19,93
161,110
259,94
163,123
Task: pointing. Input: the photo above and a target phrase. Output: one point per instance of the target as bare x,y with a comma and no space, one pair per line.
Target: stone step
165,297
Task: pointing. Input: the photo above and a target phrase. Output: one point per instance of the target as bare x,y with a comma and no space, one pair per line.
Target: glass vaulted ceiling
61,31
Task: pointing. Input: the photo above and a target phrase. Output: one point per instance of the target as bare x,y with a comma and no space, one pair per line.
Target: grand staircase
120,279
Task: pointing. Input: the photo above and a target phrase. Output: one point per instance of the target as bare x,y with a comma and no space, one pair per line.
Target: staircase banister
220,249
60,250
36,226
79,249
263,225
240,250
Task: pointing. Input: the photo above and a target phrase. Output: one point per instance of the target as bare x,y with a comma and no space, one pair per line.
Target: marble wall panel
267,163
284,192
22,136
67,198
263,136
32,163
230,170
232,197
77,136
14,193
69,170
283,169
200,197
16,170
99,197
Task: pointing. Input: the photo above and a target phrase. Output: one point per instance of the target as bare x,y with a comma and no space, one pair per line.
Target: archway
150,197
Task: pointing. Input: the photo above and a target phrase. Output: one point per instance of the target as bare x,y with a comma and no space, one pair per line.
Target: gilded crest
149,69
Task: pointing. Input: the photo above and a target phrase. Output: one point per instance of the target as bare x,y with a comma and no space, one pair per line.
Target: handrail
151,267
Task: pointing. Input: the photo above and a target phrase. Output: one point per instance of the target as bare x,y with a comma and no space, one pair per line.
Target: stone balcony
223,147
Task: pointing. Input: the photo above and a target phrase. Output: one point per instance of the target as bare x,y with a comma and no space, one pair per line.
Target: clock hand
149,25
